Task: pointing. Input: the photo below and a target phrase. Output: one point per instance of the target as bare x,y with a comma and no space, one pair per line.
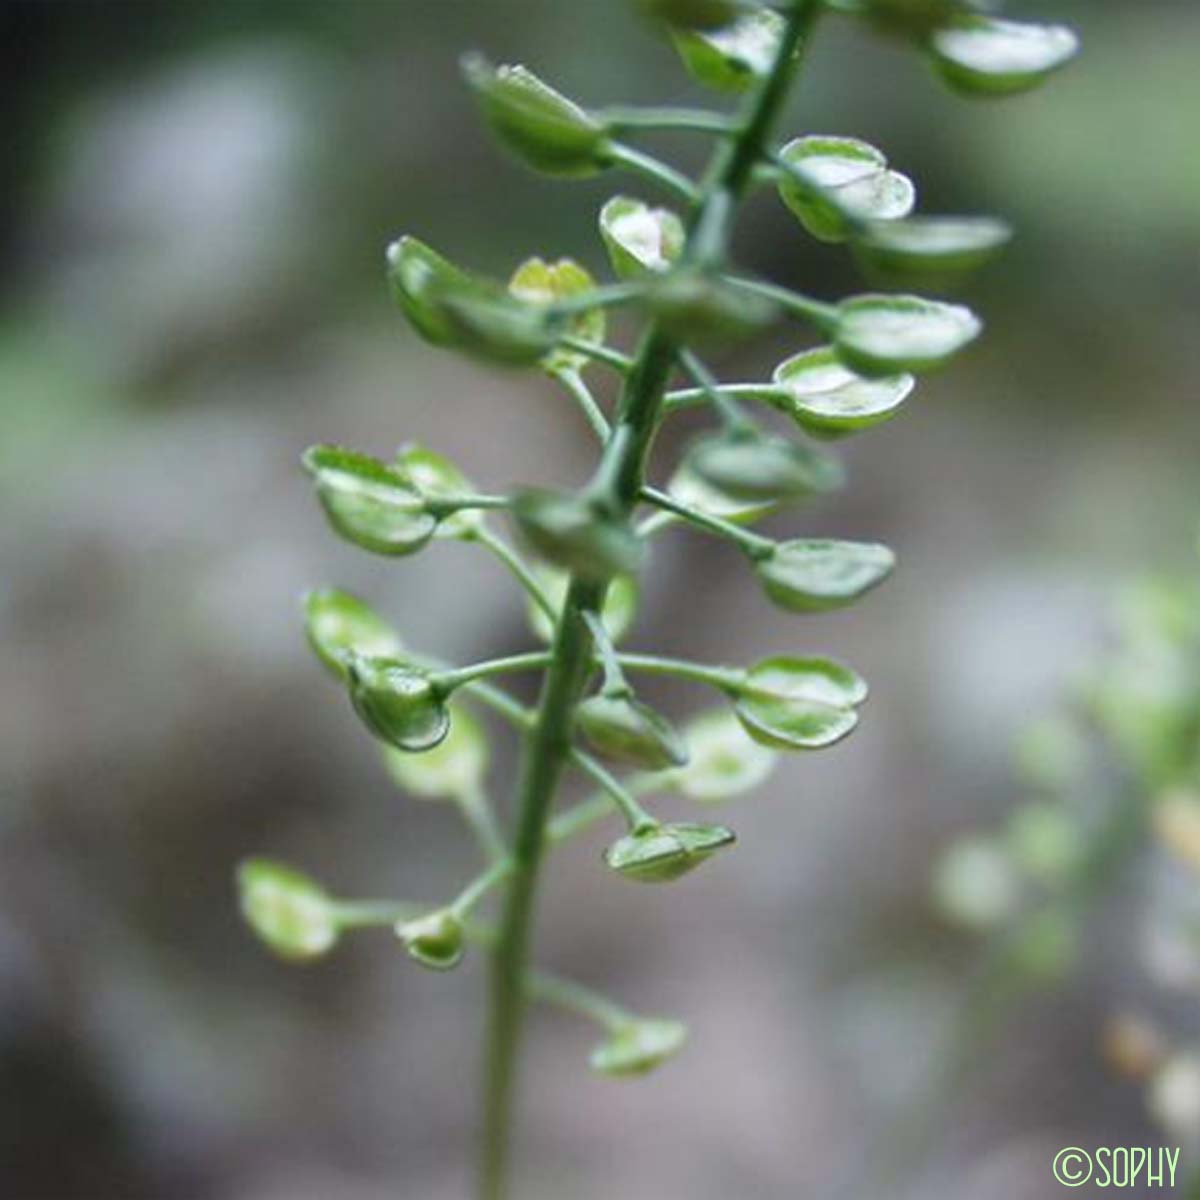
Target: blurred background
196,199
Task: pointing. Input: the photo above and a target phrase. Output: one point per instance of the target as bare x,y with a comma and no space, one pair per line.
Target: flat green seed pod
640,240
839,182
435,940
367,503
885,334
759,468
924,247
435,477
665,852
794,723
397,703
732,58
810,575
821,679
638,1048
724,761
538,125
536,281
574,535
984,56
827,399
623,728
340,626
292,915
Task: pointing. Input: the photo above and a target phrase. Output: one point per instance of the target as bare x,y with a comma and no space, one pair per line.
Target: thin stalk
725,679
619,120
754,544
609,296
518,568
657,172
481,820
728,409
578,999
816,312
582,395
759,393
447,681
636,817
615,683
466,900
447,506
374,914
548,747
602,354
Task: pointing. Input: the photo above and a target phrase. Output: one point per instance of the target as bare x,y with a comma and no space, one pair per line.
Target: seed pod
287,910
575,534
540,126
435,477
837,182
455,768
397,703
458,311
809,575
798,724
883,334
637,1048
688,488
819,679
693,306
930,248
753,467
640,240
539,282
732,58
623,728
904,18
340,626
663,853
983,56
723,760
434,940
367,503
827,399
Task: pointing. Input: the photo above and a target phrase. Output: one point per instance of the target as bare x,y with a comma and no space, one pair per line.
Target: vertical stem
622,474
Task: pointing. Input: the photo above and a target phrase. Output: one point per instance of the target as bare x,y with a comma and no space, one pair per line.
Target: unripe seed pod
753,467
662,853
637,1048
289,912
340,626
809,575
623,728
540,126
398,703
575,534
367,503
692,14
434,940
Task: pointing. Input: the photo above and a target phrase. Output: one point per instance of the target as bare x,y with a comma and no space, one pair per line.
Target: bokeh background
194,205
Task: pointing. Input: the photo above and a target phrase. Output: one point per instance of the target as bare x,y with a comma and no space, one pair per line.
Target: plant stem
582,395
518,567
754,544
623,464
650,168
621,120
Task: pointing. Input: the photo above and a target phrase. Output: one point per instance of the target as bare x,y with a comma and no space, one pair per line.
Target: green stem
816,312
582,395
725,679
650,168
754,544
602,354
695,120
446,506
518,568
577,999
636,817
548,747
466,900
728,409
760,393
614,678
372,914
448,681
